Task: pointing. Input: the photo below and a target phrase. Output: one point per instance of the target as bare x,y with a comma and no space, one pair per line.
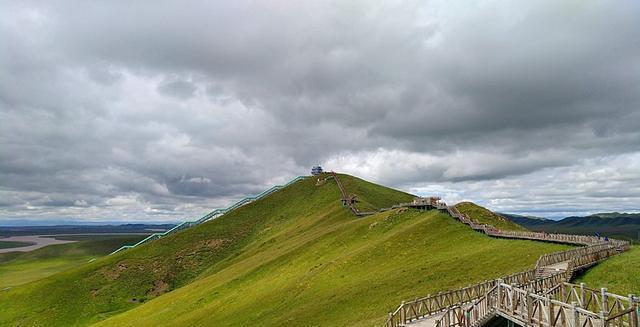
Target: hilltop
483,215
295,257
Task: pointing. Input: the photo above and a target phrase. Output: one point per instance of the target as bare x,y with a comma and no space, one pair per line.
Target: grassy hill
18,268
483,215
620,274
296,257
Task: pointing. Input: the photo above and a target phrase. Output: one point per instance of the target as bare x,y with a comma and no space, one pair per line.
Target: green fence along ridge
209,216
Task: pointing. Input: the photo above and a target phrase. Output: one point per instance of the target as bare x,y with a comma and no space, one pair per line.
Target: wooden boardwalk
541,304
563,305
537,297
350,200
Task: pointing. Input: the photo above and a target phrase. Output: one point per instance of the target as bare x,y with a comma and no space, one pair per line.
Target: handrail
346,200
568,305
211,215
595,250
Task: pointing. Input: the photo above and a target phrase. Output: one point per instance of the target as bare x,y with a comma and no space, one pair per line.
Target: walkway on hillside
563,305
551,271
433,320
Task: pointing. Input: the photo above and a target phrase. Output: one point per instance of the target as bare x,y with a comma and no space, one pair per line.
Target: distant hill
483,215
612,224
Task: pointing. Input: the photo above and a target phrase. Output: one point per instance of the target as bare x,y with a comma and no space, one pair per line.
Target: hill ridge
211,215
294,256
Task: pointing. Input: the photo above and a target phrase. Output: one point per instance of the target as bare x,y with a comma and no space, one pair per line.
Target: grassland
620,274
12,244
18,268
343,272
485,216
296,257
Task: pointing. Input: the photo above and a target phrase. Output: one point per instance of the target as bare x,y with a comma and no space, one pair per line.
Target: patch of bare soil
159,287
113,274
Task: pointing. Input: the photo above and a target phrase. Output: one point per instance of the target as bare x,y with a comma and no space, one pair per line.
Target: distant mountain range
614,224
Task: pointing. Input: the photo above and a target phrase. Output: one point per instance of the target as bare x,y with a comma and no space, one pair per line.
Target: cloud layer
162,110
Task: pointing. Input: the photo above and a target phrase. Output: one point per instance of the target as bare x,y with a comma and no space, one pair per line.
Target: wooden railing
454,300
431,304
346,200
465,314
451,303
566,305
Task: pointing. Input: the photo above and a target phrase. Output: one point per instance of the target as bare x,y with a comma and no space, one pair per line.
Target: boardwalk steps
350,200
562,305
551,270
211,215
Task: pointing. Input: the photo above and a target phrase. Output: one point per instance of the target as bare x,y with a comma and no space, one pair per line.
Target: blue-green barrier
211,215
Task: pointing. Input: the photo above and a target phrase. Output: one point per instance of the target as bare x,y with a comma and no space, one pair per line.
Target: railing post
390,320
582,295
576,314
514,301
403,315
528,298
551,313
635,311
605,301
474,306
603,319
499,291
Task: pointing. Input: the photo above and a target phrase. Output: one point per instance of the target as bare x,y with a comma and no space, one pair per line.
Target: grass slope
620,274
18,268
296,257
332,269
117,283
344,271
13,244
485,216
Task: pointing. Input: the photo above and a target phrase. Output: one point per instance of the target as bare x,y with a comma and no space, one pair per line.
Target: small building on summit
316,170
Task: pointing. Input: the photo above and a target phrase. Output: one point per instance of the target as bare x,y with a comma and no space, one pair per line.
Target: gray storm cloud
163,110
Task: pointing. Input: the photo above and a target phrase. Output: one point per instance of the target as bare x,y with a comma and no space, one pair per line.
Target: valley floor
17,268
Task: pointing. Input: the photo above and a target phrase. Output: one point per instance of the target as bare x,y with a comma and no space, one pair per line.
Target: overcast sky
163,110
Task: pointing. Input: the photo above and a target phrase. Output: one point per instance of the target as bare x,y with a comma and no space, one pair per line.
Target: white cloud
510,104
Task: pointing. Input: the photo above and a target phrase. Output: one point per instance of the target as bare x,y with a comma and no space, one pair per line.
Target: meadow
620,274
18,268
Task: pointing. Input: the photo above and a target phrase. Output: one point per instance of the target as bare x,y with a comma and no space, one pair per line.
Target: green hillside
485,216
296,257
620,274
349,272
22,267
13,244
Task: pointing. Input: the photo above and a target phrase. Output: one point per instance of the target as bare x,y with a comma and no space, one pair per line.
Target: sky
163,110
